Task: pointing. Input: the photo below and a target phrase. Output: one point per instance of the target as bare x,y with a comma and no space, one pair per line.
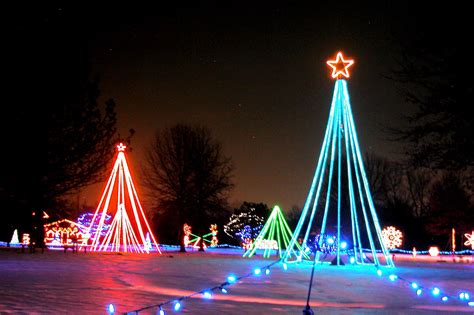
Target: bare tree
188,178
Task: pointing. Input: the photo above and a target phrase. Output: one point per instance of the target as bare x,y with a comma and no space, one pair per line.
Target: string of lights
462,295
177,303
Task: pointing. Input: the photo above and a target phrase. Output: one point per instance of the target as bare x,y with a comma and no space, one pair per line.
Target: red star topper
121,147
340,67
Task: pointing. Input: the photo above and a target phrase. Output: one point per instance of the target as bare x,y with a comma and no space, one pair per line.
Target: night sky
255,75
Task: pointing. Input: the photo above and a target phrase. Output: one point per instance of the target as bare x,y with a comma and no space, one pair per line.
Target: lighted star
470,239
121,147
340,67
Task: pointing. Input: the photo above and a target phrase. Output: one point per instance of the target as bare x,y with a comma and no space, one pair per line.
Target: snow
85,283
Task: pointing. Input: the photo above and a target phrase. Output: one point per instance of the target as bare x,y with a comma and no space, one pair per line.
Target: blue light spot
392,277
435,291
379,272
414,285
231,279
267,271
111,309
471,304
343,245
285,266
418,292
464,296
352,260
257,271
162,312
224,290
177,306
207,295
444,298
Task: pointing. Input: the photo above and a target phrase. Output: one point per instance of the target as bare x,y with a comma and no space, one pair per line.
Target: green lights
275,236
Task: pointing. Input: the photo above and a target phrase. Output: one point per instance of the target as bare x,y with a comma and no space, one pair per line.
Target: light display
341,145
470,240
64,232
15,239
193,240
247,234
340,67
434,251
392,238
25,240
326,244
85,220
245,226
275,235
177,303
129,227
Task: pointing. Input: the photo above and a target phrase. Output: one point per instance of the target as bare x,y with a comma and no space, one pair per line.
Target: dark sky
255,75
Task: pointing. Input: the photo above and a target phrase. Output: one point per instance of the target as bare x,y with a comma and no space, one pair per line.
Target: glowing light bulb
267,271
343,245
464,296
231,279
435,291
418,292
352,260
471,304
161,312
257,271
414,285
392,277
111,309
224,290
207,295
285,267
330,240
379,272
444,298
177,306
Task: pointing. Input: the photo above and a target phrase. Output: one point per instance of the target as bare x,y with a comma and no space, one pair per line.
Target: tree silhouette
58,137
440,132
188,178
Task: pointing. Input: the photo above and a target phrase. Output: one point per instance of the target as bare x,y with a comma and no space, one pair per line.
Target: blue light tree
340,153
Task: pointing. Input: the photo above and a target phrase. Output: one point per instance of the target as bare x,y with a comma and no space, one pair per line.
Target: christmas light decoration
245,226
392,237
275,235
85,219
64,232
340,67
207,294
434,251
194,240
128,229
15,240
25,240
470,239
341,145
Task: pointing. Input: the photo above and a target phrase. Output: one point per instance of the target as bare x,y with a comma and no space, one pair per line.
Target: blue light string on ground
463,295
206,293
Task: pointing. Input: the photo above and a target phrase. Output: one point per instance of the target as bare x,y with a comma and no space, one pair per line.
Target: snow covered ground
58,283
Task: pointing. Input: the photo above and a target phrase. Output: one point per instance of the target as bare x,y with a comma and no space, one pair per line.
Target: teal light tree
340,192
